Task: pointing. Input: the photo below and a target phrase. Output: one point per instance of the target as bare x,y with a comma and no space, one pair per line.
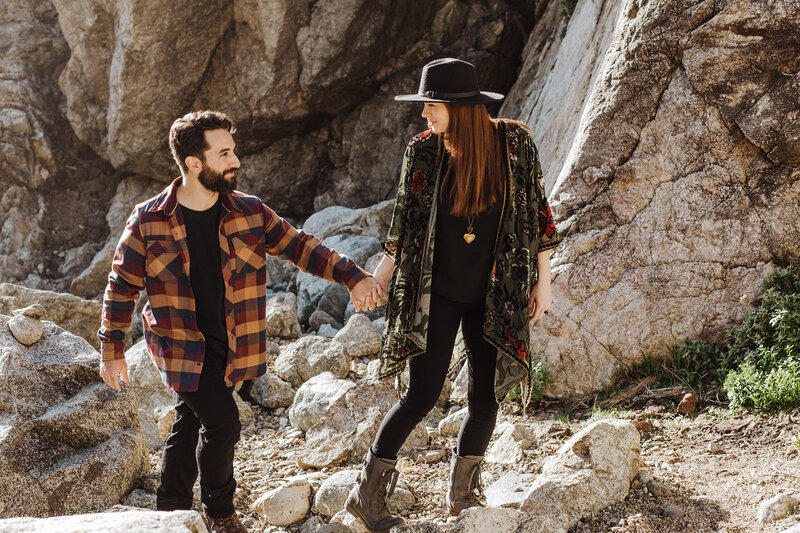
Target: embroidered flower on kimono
428,198
520,199
418,181
492,318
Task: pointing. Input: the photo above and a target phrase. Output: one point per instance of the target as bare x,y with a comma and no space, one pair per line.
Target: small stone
713,447
246,416
35,311
688,403
655,410
350,523
270,391
644,477
430,456
508,448
672,511
327,331
509,490
140,498
25,329
285,505
359,337
645,427
460,386
778,507
733,424
659,489
312,525
165,424
451,424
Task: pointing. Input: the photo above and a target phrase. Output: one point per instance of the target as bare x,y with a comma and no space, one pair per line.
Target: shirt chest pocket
164,261
249,252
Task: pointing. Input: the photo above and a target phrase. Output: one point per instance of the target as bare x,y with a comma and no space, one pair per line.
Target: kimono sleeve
394,238
547,234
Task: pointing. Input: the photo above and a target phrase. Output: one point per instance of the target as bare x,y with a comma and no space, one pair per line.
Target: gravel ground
715,492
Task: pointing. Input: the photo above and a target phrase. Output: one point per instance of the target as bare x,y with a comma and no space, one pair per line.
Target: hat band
440,96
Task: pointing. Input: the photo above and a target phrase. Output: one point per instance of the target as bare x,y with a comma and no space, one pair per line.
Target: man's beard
216,182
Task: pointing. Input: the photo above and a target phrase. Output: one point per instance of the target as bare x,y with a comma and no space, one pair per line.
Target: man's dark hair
187,134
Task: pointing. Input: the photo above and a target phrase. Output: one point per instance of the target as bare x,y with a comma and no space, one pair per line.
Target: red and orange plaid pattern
153,254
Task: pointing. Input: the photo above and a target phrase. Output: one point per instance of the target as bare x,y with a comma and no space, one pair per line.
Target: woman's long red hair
475,174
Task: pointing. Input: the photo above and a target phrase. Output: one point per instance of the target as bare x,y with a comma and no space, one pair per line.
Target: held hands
367,294
110,372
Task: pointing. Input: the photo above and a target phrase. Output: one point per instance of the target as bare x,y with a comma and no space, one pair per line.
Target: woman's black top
205,275
461,270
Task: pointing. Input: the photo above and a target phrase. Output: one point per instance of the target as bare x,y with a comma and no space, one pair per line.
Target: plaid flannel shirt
153,254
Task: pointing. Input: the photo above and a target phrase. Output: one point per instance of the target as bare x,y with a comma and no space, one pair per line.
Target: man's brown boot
465,483
229,524
367,500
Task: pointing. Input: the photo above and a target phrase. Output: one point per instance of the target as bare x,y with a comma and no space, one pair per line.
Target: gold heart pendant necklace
469,236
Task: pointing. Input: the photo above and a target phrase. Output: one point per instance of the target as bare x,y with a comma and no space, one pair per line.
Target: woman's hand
541,294
382,274
541,299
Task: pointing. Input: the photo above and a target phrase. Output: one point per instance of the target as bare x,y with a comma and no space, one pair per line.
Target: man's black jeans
205,430
427,373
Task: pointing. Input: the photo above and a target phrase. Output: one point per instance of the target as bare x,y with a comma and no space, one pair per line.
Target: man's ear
194,163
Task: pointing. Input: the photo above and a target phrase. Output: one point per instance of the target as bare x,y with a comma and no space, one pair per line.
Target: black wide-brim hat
450,80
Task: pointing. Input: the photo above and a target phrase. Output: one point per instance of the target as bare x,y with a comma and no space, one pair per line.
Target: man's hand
367,294
110,372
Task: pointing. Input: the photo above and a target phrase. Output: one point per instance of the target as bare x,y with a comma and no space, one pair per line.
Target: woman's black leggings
427,373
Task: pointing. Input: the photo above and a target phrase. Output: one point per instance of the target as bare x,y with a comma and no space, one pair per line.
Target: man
199,249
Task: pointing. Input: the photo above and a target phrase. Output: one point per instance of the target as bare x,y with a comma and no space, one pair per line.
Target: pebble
25,329
645,427
658,489
777,507
688,403
672,511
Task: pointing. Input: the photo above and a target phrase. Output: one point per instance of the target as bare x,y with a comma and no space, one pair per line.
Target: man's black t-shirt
205,275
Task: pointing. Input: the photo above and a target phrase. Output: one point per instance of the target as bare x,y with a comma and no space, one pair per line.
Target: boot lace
388,483
476,486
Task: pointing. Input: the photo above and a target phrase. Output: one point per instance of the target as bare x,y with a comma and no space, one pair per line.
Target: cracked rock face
91,87
72,442
675,188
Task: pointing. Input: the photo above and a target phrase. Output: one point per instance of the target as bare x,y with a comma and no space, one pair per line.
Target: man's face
220,163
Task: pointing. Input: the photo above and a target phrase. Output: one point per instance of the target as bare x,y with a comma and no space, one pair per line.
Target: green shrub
695,363
540,377
766,390
764,354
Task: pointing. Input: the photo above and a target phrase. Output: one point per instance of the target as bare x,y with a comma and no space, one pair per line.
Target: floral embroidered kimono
526,228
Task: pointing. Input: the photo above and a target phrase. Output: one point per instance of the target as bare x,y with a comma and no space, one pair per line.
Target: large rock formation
665,129
671,164
91,87
53,189
74,444
76,315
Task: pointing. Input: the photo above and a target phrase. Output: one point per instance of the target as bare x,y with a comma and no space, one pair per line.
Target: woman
469,244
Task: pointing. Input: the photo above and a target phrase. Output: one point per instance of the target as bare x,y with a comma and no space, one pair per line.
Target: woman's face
437,116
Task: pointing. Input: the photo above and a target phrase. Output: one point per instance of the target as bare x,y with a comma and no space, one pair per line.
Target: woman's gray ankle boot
367,500
465,483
